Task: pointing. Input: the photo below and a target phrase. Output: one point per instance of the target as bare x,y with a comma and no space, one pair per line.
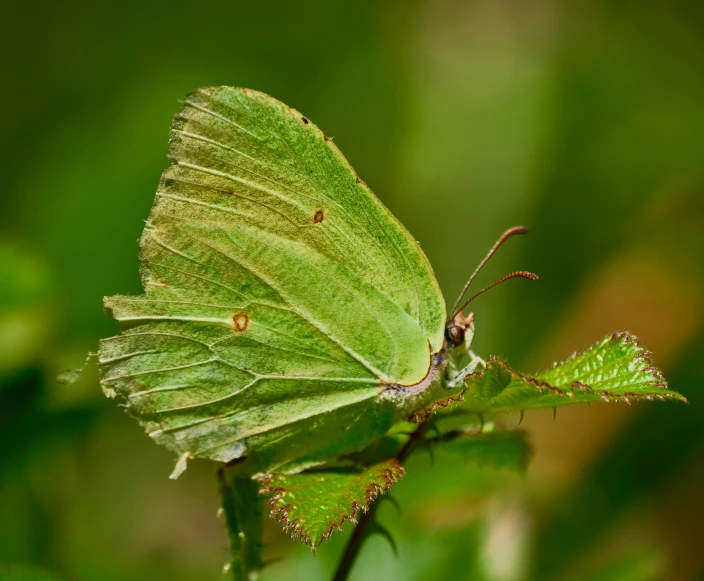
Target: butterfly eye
455,335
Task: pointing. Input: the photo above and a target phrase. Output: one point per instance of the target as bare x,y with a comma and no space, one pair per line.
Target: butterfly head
457,329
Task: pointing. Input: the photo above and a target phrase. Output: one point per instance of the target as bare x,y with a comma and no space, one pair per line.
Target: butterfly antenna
517,274
505,236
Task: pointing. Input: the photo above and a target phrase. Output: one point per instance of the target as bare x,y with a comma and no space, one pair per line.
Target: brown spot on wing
318,217
240,322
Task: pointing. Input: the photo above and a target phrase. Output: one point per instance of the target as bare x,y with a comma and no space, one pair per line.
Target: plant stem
360,532
243,520
354,544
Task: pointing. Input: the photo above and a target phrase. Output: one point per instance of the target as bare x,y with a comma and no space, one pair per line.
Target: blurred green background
583,120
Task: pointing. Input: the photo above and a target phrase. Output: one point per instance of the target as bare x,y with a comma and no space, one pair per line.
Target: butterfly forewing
280,293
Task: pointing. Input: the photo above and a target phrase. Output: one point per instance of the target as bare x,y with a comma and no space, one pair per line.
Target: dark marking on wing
240,321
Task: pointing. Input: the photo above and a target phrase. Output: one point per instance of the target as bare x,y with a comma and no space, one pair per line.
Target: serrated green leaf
241,507
617,368
311,505
492,448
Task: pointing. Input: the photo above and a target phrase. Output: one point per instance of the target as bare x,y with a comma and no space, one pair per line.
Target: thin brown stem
360,532
354,544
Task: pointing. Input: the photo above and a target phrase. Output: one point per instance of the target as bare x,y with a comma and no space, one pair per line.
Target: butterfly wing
279,292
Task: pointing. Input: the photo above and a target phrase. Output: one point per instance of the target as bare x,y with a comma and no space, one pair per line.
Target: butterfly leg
455,377
474,363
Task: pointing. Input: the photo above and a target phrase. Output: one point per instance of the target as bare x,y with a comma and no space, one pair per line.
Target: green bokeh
583,120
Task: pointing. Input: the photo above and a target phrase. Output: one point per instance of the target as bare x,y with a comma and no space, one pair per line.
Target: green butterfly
288,318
